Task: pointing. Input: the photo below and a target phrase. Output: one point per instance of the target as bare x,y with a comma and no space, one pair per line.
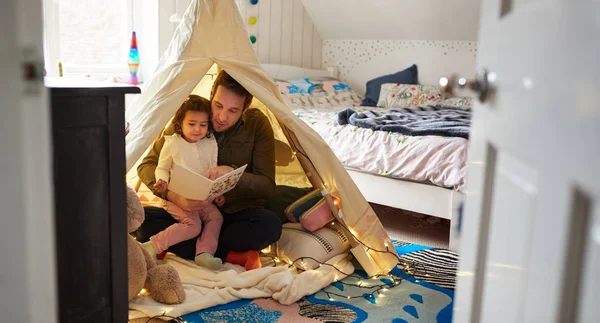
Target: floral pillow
463,103
323,92
409,95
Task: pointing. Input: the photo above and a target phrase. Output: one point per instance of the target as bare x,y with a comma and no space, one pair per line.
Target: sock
161,255
150,248
249,259
207,260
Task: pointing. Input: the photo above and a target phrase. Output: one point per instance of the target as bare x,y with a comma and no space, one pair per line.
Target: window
89,37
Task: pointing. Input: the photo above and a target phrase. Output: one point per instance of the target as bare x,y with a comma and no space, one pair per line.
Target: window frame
52,45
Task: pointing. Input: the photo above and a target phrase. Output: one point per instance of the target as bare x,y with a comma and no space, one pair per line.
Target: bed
424,174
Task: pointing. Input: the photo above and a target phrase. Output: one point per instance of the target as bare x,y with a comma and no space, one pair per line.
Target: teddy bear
162,282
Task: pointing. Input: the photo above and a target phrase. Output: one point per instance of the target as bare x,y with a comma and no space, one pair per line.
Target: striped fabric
436,266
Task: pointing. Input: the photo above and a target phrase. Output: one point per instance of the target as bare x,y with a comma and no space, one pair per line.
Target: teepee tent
212,32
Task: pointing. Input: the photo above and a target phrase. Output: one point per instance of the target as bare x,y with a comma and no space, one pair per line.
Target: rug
423,292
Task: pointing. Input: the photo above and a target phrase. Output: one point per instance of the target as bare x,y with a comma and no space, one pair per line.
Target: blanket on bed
414,121
205,288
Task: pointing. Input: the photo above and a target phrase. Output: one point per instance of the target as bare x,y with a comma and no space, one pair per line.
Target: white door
530,240
27,257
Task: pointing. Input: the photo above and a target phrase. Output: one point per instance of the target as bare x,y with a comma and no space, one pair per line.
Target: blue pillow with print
407,76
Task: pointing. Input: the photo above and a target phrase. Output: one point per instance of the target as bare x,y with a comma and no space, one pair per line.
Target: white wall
367,39
285,33
395,19
284,30
361,60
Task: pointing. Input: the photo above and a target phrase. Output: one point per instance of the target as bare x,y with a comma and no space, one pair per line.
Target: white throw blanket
205,288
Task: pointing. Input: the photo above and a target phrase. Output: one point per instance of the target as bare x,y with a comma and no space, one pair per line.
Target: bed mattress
438,160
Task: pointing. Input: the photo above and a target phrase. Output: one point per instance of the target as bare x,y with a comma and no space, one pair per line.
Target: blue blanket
414,121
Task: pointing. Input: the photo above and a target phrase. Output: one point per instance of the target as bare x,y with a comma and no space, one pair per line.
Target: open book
194,186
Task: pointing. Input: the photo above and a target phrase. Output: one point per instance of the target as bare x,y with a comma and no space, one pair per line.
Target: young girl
193,147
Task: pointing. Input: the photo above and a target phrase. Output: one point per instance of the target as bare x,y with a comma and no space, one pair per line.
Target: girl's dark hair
192,103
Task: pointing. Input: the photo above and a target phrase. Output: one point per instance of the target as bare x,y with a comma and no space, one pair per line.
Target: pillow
409,95
311,211
322,245
407,76
462,103
323,92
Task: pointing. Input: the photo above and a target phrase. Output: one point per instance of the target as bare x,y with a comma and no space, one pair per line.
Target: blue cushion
407,76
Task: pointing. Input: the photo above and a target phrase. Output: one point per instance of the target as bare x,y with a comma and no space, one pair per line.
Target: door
27,273
530,240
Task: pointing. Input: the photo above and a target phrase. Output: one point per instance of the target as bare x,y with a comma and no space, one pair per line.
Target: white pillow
409,95
322,245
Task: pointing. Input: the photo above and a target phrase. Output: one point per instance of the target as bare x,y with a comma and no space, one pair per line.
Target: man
244,136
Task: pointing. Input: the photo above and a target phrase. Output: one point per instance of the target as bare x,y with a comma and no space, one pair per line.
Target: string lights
372,289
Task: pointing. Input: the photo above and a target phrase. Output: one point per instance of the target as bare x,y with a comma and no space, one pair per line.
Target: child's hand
160,186
217,172
220,200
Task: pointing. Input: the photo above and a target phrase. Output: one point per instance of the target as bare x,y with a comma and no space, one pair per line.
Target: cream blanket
205,288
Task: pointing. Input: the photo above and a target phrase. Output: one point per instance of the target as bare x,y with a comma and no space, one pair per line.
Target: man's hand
220,200
160,185
217,172
185,204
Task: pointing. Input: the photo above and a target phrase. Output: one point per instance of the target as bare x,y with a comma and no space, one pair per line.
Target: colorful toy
253,39
252,20
134,60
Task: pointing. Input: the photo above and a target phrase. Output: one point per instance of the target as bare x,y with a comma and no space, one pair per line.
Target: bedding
458,102
319,92
409,95
407,76
413,121
205,288
436,159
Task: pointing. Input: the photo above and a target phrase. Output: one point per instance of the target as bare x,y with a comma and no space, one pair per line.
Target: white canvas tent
212,32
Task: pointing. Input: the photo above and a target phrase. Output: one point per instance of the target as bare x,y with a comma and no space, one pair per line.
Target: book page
194,186
189,184
226,182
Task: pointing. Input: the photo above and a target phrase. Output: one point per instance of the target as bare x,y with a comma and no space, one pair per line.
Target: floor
414,227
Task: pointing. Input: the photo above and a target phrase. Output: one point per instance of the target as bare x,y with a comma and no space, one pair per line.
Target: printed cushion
407,76
462,103
323,92
409,95
322,245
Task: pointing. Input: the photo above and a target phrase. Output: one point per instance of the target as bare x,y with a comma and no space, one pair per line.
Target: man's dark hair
228,82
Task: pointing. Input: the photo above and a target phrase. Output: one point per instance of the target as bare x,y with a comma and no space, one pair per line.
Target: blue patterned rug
424,295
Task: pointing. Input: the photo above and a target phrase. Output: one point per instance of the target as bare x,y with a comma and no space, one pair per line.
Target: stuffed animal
162,282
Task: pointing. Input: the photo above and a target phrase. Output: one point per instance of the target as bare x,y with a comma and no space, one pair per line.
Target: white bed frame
413,196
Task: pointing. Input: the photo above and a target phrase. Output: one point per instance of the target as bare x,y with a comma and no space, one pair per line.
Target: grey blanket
414,121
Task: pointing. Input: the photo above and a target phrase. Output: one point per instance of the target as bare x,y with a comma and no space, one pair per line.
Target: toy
161,282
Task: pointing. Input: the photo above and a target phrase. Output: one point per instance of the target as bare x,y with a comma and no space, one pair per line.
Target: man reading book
244,136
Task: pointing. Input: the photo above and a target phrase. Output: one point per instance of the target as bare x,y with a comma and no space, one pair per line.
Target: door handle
481,85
